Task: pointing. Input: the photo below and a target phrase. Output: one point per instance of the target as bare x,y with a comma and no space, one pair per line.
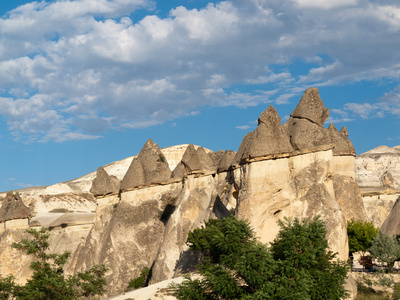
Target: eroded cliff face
378,176
142,217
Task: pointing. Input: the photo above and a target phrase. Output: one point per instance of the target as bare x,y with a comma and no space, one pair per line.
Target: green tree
48,280
237,266
360,234
385,249
312,271
7,286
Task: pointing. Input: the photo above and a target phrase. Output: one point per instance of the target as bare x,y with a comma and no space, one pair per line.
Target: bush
385,249
48,280
236,266
361,234
142,280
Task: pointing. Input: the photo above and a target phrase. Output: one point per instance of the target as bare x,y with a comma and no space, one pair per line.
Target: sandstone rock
179,171
194,206
349,198
155,165
311,108
191,161
269,140
150,167
72,219
378,176
104,184
239,154
14,208
306,136
126,236
134,177
343,145
226,161
206,162
391,226
216,157
298,186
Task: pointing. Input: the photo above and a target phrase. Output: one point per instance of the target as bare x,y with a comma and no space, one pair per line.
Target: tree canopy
361,234
48,280
298,265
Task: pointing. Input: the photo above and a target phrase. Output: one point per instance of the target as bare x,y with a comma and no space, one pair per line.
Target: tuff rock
299,169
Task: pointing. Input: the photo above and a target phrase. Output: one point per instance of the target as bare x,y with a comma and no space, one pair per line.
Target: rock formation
13,212
104,184
298,169
378,176
150,167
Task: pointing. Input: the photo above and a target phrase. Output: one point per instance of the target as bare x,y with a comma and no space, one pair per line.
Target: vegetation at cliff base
48,280
298,265
361,234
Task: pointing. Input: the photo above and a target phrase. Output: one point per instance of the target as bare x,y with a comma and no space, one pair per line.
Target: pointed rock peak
14,208
134,177
269,116
104,184
311,108
342,144
188,152
191,160
226,161
344,131
206,162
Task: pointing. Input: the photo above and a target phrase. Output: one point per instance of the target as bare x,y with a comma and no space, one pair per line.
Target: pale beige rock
391,226
194,206
378,176
298,186
378,207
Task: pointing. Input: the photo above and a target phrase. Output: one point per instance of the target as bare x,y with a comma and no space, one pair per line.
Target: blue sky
87,82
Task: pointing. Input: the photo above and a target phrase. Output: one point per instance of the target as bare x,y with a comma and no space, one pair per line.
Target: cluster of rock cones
302,133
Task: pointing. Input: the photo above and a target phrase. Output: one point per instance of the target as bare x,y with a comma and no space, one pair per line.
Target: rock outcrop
149,167
378,176
298,169
104,184
14,213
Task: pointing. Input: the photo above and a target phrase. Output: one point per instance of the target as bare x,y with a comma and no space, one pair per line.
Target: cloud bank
71,70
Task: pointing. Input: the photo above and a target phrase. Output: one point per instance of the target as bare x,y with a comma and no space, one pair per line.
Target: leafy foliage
140,281
385,249
236,266
48,280
361,234
6,287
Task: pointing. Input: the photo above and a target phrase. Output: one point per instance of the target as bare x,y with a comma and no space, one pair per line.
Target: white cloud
85,66
243,127
325,4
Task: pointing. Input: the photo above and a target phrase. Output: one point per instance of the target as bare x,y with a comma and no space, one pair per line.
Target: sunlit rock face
142,216
378,176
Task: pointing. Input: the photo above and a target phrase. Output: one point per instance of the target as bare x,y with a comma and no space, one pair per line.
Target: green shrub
48,280
142,280
236,266
396,291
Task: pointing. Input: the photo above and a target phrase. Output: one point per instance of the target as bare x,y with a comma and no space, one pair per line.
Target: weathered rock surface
299,186
104,184
311,108
268,141
13,208
299,169
391,226
378,176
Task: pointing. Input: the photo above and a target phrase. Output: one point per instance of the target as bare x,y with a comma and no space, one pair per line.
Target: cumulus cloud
70,70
